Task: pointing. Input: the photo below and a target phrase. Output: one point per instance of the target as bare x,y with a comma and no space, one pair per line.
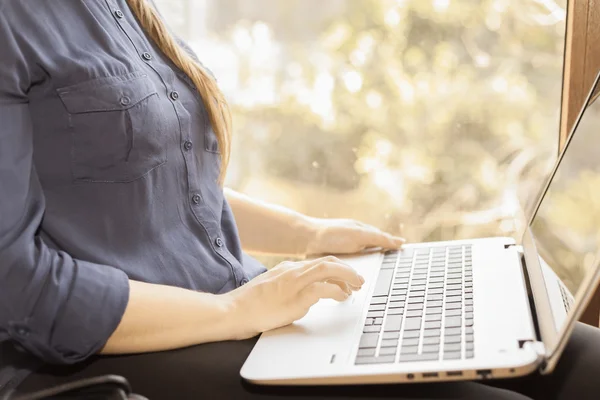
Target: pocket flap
107,94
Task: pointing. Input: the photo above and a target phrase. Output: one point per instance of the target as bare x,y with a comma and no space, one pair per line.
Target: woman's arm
163,317
268,228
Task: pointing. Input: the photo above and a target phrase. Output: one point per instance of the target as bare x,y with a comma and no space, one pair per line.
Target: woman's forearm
268,228
161,317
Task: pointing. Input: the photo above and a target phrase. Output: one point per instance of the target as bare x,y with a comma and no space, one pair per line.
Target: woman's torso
124,151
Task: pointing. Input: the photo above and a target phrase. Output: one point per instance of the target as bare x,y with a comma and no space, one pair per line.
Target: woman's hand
346,236
286,292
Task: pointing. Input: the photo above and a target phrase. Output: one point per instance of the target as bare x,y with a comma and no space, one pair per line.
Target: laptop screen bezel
555,341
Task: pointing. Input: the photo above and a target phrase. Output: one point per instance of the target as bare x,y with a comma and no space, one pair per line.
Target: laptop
458,310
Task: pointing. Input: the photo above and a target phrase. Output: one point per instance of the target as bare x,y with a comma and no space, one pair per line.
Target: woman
116,235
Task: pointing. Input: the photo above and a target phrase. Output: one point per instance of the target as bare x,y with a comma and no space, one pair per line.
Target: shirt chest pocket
117,128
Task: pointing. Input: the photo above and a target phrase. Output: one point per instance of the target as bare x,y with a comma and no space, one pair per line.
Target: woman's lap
212,371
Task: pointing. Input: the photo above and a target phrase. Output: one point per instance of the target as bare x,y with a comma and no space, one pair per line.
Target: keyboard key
433,325
434,297
436,291
455,286
469,315
469,322
369,321
414,313
377,307
415,306
375,360
374,314
470,354
469,338
433,317
409,350
452,347
433,310
453,306
452,331
453,293
431,340
412,324
469,309
434,285
371,328
452,339
368,340
390,335
432,304
453,322
396,304
469,346
416,300
418,357
411,334
384,281
378,321
410,342
387,351
453,313
469,330
431,349
366,352
432,333
436,279
389,343
396,311
452,356
379,300
393,323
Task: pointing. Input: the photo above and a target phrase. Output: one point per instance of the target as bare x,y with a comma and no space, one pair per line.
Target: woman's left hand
346,236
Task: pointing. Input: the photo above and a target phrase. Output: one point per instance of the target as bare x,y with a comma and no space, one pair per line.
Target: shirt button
174,95
119,14
23,332
196,199
243,281
219,242
187,145
147,56
125,101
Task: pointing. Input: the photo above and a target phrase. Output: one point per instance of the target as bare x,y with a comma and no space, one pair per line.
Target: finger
371,238
329,270
322,290
343,285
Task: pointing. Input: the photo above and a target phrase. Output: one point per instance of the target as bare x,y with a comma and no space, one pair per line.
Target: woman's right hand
286,292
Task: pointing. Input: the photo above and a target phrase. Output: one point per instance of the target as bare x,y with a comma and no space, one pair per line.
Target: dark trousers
211,371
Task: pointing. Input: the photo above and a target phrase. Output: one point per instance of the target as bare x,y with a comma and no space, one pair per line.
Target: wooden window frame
581,65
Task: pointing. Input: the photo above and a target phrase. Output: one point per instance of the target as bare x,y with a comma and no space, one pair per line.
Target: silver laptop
458,310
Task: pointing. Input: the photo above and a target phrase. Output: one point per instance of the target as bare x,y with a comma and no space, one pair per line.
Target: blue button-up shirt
108,172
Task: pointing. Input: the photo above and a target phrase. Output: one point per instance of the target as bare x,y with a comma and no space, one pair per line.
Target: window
432,119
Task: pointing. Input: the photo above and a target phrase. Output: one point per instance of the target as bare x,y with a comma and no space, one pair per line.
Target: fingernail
362,280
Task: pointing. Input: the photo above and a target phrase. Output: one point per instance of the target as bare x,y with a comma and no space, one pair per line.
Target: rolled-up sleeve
59,308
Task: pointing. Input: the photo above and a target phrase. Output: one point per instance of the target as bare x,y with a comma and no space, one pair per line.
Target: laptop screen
566,226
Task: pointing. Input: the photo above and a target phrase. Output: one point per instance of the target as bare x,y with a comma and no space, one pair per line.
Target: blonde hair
213,99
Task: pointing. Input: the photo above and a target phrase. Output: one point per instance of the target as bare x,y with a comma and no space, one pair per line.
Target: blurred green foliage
432,119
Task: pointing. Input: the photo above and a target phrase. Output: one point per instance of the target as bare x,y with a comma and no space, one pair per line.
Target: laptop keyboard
421,308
